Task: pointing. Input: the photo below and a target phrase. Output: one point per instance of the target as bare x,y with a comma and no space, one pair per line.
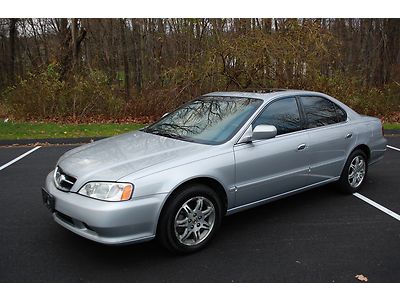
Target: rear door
330,137
267,168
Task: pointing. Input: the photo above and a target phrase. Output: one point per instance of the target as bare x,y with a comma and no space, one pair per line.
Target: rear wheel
354,172
190,219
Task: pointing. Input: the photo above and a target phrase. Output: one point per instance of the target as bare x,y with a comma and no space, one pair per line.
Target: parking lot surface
317,236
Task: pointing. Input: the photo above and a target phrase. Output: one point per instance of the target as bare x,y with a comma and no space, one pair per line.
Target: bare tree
13,36
125,59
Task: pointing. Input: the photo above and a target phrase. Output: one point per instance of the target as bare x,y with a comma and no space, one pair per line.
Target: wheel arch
205,180
364,148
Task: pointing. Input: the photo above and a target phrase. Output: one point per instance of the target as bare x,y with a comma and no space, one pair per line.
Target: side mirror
261,132
264,132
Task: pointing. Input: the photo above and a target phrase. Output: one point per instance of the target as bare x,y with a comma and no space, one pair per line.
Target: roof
265,95
270,95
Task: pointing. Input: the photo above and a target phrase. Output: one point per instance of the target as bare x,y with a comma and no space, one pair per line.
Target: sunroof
264,90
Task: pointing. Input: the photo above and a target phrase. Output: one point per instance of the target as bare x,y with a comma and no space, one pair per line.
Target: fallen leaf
362,278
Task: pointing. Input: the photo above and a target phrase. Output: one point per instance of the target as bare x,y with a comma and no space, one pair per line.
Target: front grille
62,180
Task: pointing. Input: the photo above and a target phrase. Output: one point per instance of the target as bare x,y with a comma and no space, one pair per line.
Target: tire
352,185
182,226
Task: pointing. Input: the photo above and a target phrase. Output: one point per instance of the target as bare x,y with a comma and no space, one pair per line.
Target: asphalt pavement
317,236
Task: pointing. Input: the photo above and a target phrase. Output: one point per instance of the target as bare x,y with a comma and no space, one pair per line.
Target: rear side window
341,114
283,114
320,111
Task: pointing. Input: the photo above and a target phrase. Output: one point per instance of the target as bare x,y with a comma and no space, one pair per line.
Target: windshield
208,120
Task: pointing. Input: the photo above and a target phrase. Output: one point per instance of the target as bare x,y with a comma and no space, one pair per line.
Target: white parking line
378,206
394,148
18,158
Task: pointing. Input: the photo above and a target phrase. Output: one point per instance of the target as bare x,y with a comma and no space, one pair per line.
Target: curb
391,131
50,141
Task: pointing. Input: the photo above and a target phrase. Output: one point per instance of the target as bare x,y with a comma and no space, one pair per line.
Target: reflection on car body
216,155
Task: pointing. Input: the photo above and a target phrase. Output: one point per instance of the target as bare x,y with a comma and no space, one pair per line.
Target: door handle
349,135
301,147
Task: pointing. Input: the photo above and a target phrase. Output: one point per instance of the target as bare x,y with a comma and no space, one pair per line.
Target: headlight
107,191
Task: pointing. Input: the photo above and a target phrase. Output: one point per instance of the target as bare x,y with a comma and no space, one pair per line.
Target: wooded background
114,69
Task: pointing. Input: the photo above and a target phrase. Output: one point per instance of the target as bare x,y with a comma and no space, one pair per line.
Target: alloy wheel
194,221
356,171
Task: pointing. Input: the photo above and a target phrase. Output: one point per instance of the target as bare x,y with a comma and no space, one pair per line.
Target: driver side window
283,114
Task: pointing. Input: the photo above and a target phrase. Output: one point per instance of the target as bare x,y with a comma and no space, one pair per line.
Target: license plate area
48,200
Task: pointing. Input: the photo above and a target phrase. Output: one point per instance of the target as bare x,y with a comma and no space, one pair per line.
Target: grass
391,126
16,130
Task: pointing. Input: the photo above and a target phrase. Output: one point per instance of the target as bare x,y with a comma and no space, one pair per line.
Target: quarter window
319,111
341,114
283,114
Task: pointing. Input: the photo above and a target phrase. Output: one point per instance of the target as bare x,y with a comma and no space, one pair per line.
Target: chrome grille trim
62,180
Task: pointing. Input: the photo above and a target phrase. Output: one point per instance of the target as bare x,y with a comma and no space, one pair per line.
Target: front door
271,167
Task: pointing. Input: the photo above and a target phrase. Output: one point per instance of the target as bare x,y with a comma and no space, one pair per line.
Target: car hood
116,157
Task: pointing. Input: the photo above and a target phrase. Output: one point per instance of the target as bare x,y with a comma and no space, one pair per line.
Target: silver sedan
216,155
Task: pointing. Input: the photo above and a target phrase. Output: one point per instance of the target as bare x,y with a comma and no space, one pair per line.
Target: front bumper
106,222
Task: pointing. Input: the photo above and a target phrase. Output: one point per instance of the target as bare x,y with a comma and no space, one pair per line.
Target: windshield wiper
168,134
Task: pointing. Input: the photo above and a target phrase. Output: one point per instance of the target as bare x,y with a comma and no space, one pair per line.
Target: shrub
43,95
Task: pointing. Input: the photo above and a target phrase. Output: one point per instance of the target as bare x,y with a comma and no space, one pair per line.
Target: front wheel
354,172
190,219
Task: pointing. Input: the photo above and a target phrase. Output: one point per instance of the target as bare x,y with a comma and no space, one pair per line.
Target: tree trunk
125,59
137,55
69,50
13,37
74,43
